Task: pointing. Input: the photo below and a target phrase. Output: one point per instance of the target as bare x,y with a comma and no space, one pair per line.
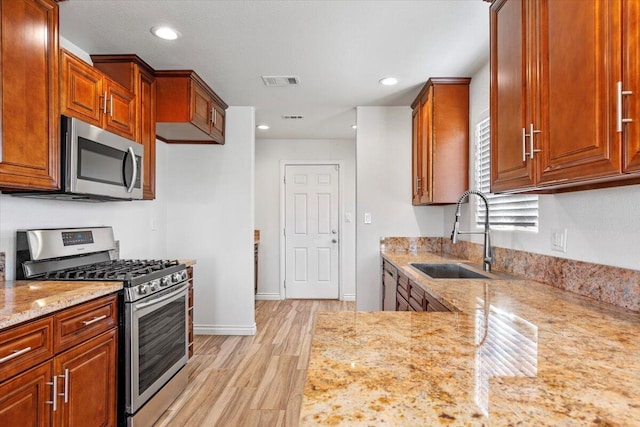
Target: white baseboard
349,297
263,296
224,329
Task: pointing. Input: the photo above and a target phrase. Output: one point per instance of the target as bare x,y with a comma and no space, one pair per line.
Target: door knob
334,231
334,240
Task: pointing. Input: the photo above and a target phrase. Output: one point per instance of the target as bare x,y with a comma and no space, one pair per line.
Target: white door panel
311,231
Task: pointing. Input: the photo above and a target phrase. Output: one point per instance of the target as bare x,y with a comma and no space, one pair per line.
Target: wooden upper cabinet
579,64
555,68
29,150
138,77
630,86
440,138
189,111
510,84
88,94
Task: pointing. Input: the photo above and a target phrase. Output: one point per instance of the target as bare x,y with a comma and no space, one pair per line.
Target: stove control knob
154,285
142,289
164,281
175,278
183,275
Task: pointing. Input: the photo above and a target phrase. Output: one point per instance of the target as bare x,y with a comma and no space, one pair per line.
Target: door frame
283,247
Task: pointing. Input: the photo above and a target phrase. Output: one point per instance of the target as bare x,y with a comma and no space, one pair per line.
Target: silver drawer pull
15,354
94,320
54,395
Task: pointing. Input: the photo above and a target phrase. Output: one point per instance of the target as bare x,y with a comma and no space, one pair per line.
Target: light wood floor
255,381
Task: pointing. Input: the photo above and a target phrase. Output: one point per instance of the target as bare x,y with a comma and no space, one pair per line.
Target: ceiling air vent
281,80
292,117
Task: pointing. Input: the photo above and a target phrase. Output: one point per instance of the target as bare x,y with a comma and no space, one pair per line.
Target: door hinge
284,180
285,284
284,232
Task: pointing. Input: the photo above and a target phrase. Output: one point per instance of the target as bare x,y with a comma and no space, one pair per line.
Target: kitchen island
516,352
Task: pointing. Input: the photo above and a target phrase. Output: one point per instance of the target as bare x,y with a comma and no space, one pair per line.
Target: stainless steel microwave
96,165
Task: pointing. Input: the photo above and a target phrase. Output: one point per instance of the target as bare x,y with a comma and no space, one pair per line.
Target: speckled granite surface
25,300
518,353
614,285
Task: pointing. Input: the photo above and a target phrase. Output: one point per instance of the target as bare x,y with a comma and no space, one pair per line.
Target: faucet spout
487,251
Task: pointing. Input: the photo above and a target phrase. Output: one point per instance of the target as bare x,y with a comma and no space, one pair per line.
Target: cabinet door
631,83
121,110
81,91
29,150
415,156
426,147
200,108
510,167
23,400
580,65
217,125
147,131
91,373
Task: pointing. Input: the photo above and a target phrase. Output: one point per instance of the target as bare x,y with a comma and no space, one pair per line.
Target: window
506,211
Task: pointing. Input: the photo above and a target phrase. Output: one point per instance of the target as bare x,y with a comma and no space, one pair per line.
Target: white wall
269,153
210,207
132,221
603,226
383,152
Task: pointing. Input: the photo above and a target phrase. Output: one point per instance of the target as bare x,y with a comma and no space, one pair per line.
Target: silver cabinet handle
135,170
94,320
214,115
524,146
619,119
54,391
65,394
532,132
15,354
111,105
104,102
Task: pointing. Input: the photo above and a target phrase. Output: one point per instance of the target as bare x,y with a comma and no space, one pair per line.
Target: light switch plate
367,217
559,240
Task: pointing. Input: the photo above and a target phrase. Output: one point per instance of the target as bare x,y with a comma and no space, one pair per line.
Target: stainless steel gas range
153,343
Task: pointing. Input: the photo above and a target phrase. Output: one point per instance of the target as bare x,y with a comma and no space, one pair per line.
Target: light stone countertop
24,300
547,358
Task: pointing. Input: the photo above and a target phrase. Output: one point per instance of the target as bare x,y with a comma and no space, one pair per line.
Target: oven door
155,343
101,163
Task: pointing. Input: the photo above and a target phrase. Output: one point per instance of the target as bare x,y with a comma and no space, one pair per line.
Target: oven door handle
162,298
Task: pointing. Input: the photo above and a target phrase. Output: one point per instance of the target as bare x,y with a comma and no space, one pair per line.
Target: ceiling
339,49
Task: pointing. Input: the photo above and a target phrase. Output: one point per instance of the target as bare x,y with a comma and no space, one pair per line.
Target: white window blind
505,210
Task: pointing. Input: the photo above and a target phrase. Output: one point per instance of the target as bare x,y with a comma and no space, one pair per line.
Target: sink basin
451,271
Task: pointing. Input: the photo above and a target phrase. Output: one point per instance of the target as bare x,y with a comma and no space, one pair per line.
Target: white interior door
311,231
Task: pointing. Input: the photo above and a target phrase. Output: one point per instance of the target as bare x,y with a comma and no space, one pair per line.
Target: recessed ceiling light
165,33
263,127
354,127
388,81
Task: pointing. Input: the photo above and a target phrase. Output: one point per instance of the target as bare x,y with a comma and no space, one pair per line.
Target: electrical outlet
367,217
559,240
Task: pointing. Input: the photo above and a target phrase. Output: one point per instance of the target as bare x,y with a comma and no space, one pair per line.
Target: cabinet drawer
78,324
390,269
433,304
401,303
403,286
25,346
416,298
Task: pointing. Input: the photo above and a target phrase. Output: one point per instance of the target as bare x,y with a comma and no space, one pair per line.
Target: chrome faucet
488,252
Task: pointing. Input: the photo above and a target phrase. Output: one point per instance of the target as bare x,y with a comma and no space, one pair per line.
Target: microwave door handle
134,165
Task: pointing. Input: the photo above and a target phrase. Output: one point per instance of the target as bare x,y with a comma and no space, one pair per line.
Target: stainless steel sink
452,271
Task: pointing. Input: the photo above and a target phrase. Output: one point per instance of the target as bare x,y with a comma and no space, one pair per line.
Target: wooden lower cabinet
389,285
88,373
81,380
23,399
